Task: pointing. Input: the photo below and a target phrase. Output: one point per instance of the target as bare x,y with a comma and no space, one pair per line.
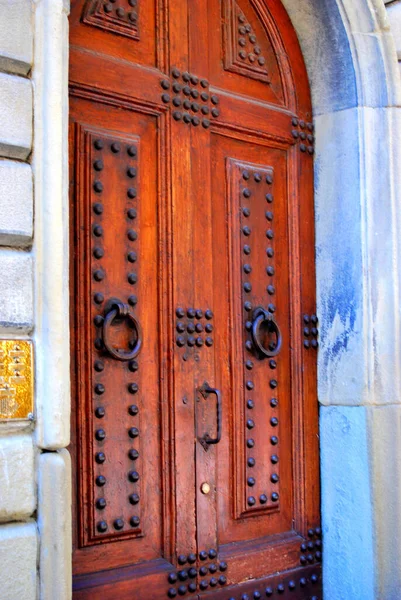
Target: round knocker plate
118,310
263,319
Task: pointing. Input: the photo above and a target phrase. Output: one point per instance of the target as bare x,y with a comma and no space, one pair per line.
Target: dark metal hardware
119,310
205,390
263,317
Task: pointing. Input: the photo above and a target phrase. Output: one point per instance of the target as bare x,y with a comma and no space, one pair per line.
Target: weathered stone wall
18,498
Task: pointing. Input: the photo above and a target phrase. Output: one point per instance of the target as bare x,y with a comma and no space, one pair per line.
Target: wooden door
195,432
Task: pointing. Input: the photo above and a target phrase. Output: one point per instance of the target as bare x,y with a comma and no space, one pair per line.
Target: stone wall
18,498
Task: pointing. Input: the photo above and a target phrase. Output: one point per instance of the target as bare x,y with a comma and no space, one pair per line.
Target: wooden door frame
339,26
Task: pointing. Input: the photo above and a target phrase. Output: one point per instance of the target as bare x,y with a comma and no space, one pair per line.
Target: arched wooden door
194,336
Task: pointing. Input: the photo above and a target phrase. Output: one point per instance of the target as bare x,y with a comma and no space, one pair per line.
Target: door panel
194,335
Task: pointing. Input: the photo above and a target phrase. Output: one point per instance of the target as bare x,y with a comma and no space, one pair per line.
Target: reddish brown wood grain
182,203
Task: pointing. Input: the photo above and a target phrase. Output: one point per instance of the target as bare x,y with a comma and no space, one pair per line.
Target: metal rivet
100,480
98,343
263,498
133,410
251,501
274,440
270,234
250,423
250,443
131,193
247,287
270,252
270,270
99,145
269,198
98,298
274,402
165,84
132,300
98,320
98,230
133,476
101,503
98,366
270,289
274,421
251,481
180,341
208,315
134,521
247,249
273,383
251,462
98,275
206,123
133,432
132,278
175,73
131,172
133,498
131,151
177,115
133,388
102,526
98,208
118,524
166,98
209,341
99,389
248,306
274,478
274,459
98,252
172,592
132,235
195,121
269,215
132,257
250,404
100,457
115,147
246,230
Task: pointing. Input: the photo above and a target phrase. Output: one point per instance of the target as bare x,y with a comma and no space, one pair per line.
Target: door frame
354,113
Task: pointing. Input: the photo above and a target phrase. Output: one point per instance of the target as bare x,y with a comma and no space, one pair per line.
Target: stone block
16,36
17,477
15,116
16,201
18,559
16,296
347,511
394,16
54,524
384,440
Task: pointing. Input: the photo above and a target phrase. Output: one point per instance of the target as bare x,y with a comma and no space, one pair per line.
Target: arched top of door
249,46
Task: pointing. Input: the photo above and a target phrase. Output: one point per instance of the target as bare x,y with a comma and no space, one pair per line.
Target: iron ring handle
262,316
205,390
118,309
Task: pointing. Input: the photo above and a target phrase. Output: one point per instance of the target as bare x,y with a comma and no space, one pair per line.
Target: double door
192,304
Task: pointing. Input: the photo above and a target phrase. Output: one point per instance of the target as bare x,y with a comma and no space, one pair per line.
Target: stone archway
352,67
